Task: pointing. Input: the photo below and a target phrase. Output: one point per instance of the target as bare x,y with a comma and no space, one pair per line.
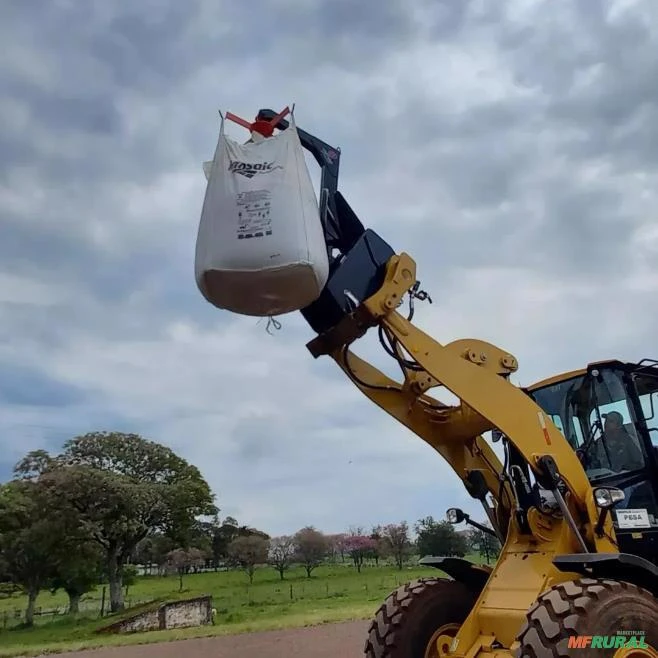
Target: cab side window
649,409
616,446
647,388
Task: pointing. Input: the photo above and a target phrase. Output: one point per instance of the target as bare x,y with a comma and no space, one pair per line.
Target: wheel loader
573,500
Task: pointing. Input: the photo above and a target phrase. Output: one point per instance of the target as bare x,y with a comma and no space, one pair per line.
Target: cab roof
556,379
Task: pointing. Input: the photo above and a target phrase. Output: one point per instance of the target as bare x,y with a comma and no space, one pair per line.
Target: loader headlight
608,497
455,515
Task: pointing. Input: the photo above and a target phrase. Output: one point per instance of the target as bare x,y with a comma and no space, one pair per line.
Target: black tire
586,607
405,623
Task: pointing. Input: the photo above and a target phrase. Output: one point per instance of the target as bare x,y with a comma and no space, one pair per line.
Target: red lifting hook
262,127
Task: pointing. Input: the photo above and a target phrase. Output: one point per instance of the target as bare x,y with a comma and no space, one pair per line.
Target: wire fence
282,593
227,599
93,608
230,598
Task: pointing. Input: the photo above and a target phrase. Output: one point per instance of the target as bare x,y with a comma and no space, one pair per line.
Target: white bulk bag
260,246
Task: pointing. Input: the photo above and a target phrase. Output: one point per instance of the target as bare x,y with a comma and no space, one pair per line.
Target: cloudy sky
510,147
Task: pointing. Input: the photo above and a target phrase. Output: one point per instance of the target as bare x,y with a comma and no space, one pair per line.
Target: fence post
291,592
103,602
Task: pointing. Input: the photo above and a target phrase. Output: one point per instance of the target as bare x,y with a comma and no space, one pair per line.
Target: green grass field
334,593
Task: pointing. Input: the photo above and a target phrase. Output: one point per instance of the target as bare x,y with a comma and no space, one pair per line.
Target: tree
377,550
78,568
248,531
7,588
281,553
359,547
484,544
123,487
396,539
200,537
182,560
223,535
28,538
53,535
336,546
439,538
248,552
128,576
153,550
33,465
312,548
231,521
208,539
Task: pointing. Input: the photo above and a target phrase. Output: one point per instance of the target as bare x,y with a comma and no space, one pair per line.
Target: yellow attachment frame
477,373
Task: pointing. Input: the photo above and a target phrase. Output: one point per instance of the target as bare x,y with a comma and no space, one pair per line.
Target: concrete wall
177,614
195,612
145,621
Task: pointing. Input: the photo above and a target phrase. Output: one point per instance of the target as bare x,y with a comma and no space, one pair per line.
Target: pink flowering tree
359,547
339,544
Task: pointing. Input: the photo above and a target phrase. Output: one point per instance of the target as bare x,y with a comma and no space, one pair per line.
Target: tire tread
386,627
552,619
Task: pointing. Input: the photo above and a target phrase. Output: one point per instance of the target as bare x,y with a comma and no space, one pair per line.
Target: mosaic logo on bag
250,169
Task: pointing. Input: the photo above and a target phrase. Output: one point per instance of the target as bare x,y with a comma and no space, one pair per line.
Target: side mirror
607,497
455,515
496,435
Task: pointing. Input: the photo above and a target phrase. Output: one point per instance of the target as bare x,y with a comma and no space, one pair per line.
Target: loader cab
608,413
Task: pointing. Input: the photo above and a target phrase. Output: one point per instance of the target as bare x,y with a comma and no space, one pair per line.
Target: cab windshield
595,416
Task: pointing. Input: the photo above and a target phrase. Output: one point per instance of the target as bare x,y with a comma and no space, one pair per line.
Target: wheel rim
633,652
448,631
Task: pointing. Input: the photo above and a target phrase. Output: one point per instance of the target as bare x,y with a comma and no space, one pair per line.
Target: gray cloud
508,148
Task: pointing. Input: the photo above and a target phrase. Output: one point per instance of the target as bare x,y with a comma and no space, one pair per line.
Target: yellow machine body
477,373
559,573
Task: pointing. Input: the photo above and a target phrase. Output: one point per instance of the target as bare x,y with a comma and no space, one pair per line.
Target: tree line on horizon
109,501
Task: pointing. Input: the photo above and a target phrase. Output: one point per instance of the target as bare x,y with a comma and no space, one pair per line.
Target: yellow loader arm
535,598
477,373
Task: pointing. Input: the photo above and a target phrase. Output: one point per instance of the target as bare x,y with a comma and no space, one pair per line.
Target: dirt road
329,641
